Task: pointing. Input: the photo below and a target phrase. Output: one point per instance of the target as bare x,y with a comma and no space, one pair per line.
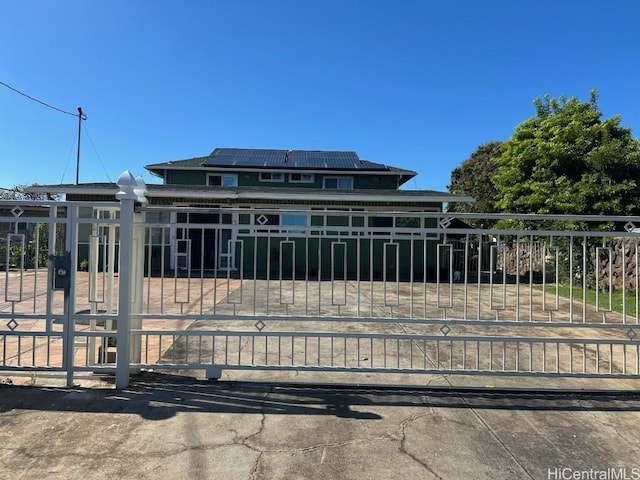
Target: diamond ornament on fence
445,329
17,211
446,222
631,334
12,324
260,325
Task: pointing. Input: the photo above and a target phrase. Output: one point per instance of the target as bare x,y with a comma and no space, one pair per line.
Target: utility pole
81,116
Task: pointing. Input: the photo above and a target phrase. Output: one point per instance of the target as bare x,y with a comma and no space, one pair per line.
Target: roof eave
157,191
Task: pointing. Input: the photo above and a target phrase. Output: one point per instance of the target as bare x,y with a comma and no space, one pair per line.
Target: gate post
137,270
126,182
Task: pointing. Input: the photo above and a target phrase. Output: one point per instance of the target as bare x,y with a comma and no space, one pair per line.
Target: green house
283,213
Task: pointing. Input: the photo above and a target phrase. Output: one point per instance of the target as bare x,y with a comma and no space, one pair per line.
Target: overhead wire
84,127
66,165
38,101
79,114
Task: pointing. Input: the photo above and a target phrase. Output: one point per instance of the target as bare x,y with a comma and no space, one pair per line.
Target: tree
36,245
567,160
474,178
19,192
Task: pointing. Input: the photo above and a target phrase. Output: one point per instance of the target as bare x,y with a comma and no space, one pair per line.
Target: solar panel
245,157
324,159
304,159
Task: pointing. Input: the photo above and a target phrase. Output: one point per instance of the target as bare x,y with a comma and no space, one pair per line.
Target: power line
81,116
39,101
84,127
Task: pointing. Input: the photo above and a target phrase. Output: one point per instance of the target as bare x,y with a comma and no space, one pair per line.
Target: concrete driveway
179,427
293,425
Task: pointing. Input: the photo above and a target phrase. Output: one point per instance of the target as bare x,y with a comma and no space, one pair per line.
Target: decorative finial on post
127,184
140,190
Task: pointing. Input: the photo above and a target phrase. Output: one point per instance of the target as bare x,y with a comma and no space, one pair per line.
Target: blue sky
417,84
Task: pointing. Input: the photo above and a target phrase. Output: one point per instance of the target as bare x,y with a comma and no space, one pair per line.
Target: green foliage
567,160
35,249
474,178
619,303
38,252
37,236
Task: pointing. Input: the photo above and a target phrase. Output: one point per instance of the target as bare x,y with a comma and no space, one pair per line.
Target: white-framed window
271,177
338,183
301,178
294,220
222,180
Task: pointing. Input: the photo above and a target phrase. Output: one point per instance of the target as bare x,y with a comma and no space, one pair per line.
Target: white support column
137,269
127,196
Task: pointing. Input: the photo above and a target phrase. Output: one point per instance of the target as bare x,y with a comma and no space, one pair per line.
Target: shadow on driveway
157,396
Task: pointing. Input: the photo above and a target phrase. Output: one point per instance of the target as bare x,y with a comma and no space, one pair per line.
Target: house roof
294,160
248,194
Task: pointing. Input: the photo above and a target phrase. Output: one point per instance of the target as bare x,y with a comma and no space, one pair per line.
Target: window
377,222
266,219
222,180
294,220
301,177
271,177
381,222
338,183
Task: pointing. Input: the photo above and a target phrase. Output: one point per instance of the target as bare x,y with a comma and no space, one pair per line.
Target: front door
211,245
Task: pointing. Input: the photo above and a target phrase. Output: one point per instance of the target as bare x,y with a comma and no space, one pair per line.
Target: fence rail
321,290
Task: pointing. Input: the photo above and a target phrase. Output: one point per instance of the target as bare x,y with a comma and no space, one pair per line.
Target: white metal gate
50,302
317,290
381,291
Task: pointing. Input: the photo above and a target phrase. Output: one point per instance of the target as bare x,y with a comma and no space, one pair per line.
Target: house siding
312,259
185,177
252,179
366,245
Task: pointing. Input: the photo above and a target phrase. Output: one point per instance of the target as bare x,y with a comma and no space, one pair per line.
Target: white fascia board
223,195
296,196
351,197
240,195
73,190
293,196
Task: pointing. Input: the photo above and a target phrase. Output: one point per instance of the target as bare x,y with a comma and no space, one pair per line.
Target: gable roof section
254,158
245,157
298,159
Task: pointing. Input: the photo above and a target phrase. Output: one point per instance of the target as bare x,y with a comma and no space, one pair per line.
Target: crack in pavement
478,416
253,474
631,443
497,438
403,439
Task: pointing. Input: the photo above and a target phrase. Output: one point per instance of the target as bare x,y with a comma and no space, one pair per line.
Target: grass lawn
603,299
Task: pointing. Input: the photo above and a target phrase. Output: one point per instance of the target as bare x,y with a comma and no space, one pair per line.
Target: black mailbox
62,271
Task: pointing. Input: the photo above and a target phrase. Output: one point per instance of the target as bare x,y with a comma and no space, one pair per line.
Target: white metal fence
323,290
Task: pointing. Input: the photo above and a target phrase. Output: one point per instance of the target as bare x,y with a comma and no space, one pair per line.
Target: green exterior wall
337,253
326,258
185,177
252,179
